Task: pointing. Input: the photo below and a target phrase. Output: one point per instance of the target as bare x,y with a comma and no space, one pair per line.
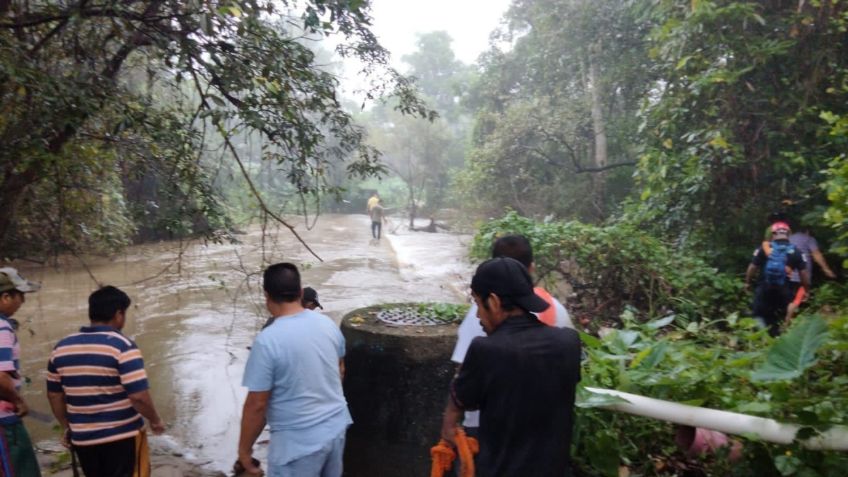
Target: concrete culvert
398,370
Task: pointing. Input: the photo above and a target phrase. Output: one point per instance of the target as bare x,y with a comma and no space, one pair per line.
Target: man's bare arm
57,405
252,423
143,403
819,258
450,420
60,411
750,273
341,368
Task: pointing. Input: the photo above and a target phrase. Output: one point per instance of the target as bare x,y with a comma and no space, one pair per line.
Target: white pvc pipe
835,438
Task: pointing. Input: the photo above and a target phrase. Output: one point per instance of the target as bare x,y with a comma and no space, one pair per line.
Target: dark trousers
112,459
770,302
376,228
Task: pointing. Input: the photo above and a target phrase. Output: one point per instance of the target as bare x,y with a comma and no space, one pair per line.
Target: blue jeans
327,462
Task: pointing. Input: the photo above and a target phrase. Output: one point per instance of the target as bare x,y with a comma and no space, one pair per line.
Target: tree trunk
12,189
600,133
412,208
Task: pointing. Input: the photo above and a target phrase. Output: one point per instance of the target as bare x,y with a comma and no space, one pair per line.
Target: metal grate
408,317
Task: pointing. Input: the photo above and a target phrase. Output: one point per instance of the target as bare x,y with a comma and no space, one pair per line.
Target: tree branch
258,196
578,169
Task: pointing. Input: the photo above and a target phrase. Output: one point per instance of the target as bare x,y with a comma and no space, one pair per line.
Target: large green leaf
794,352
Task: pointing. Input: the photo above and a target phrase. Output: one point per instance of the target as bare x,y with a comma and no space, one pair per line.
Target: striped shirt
10,353
97,369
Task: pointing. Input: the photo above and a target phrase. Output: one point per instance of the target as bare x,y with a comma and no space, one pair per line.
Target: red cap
779,226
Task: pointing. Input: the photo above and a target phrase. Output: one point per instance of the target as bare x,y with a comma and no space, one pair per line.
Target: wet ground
196,308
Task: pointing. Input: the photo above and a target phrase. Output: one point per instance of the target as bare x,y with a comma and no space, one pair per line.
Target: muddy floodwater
197,307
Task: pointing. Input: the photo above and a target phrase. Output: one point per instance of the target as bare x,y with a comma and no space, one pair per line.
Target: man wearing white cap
17,457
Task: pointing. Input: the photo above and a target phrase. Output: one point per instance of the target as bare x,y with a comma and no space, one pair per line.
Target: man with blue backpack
775,261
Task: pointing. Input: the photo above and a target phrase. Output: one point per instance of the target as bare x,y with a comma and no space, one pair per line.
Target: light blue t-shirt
297,359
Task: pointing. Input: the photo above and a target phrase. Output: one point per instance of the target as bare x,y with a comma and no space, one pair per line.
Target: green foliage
735,129
157,83
830,296
793,352
713,365
615,266
836,183
80,207
557,109
446,312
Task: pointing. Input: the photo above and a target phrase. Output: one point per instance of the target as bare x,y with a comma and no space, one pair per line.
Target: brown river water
197,307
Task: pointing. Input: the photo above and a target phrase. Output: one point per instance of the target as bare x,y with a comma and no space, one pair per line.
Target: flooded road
197,307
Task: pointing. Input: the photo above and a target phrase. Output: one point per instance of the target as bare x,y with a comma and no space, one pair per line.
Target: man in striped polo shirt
17,457
98,392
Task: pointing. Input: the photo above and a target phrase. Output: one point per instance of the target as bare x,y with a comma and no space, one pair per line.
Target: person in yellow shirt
375,198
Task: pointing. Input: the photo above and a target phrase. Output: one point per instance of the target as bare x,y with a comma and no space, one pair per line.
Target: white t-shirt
471,328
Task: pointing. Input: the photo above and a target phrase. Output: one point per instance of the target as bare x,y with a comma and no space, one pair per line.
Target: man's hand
157,427
249,465
21,408
747,287
66,438
829,273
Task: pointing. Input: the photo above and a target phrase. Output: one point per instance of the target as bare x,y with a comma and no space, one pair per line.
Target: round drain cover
409,316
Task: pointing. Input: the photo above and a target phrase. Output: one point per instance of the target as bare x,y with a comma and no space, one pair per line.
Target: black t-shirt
522,378
794,260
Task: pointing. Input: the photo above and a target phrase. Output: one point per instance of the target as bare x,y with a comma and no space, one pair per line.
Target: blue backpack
775,270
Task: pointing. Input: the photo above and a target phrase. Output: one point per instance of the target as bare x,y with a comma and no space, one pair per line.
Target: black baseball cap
309,294
509,280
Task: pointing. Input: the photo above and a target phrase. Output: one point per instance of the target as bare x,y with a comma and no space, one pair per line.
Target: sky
468,22
396,23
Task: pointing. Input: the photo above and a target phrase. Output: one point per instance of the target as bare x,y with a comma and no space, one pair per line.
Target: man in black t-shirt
522,377
774,293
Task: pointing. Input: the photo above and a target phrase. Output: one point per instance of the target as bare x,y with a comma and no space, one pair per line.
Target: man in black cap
310,299
522,377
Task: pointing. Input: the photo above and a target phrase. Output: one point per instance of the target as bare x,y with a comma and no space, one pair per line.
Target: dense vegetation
721,112
640,144
116,115
727,364
662,323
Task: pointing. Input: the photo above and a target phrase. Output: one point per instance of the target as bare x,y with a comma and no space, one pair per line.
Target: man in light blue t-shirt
294,381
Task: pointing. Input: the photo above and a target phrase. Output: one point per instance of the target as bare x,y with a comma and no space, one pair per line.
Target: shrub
616,266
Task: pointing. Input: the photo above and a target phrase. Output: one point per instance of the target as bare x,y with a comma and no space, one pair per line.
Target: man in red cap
522,376
774,262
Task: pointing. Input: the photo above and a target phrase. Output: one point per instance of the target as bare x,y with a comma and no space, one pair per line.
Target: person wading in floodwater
378,217
372,201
